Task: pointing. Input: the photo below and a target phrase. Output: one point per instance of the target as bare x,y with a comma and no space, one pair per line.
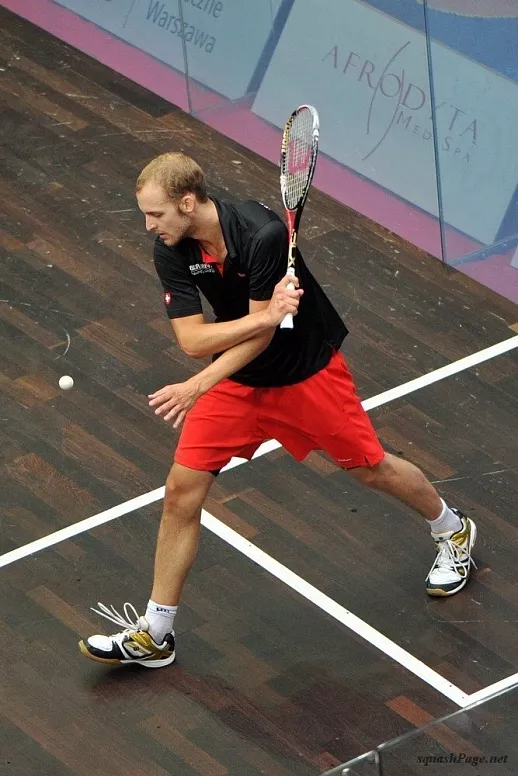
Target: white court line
492,689
83,525
442,372
334,609
277,569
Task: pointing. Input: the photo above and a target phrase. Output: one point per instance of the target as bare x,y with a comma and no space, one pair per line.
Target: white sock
160,619
447,521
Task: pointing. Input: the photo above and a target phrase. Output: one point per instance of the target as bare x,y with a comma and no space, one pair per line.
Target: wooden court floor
266,682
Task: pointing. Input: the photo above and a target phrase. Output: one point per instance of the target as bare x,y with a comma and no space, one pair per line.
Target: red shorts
320,413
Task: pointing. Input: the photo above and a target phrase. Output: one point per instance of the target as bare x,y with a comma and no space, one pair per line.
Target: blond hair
177,174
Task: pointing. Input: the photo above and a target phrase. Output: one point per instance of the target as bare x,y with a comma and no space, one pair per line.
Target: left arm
232,360
175,401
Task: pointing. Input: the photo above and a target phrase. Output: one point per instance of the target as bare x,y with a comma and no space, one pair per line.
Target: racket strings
298,157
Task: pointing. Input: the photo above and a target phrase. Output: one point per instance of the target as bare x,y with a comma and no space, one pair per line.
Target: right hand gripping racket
299,152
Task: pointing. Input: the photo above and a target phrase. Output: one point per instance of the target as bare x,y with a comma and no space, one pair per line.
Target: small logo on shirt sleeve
168,298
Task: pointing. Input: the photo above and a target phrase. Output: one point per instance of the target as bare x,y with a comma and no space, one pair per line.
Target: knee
185,491
366,475
375,476
174,495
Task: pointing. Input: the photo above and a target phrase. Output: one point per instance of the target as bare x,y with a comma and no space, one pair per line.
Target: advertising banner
224,39
367,73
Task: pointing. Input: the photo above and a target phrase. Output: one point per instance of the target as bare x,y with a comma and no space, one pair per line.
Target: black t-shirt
257,252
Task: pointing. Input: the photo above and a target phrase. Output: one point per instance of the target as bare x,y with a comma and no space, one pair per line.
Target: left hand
175,401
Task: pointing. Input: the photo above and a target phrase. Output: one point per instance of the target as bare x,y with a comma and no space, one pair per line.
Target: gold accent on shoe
452,566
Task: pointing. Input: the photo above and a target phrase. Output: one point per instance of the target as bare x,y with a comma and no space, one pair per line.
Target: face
172,220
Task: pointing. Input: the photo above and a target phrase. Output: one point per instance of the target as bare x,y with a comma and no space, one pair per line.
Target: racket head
299,150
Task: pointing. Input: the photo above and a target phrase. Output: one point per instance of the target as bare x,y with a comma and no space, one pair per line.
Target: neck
207,228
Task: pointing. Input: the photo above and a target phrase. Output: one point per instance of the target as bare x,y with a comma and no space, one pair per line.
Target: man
263,382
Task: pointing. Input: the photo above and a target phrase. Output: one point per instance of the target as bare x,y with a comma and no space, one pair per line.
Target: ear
187,204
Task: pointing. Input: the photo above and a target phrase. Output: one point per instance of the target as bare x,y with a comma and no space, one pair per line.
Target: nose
150,223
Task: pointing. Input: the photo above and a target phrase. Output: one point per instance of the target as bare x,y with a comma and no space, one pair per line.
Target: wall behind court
440,172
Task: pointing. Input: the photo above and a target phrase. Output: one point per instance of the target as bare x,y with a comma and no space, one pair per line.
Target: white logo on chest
201,269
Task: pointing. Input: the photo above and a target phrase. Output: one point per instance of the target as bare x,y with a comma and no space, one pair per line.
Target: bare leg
404,481
179,532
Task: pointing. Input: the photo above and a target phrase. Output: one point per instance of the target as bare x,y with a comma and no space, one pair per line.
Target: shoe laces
449,555
131,623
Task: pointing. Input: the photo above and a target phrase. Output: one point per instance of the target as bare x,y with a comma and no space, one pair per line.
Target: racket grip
287,321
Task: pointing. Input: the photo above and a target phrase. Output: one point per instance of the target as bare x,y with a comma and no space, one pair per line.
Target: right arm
268,259
198,338
194,335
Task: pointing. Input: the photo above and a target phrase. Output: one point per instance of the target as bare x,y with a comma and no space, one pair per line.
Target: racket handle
287,321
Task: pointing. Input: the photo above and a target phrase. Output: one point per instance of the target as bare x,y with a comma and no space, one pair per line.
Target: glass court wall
479,740
418,100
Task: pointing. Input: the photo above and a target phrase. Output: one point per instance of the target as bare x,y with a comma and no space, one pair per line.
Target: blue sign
367,74
224,39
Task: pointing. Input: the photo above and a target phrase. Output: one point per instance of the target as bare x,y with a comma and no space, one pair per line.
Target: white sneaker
131,645
452,566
